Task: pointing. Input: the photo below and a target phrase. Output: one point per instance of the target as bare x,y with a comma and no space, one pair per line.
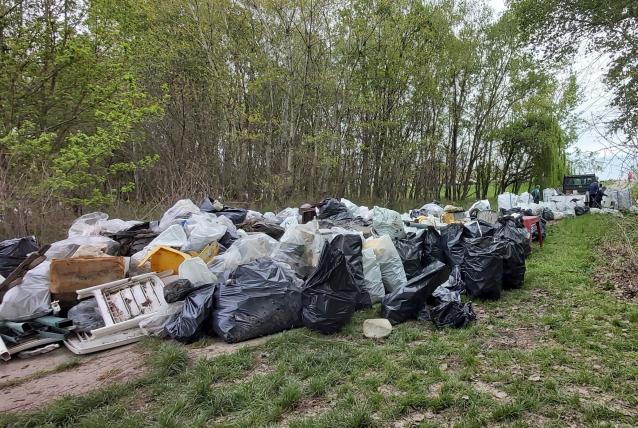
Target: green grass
559,351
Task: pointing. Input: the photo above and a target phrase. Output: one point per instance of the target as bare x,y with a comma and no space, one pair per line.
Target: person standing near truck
593,192
536,193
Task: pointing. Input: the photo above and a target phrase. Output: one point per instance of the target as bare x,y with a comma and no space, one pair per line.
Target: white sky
594,108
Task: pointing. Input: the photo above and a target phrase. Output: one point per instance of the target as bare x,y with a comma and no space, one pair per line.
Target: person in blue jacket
593,191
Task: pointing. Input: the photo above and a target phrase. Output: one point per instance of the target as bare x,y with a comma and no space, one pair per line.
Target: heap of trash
237,274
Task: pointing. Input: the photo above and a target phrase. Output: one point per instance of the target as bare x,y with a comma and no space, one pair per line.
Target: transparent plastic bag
30,299
202,230
154,325
86,316
68,247
387,222
372,276
196,271
181,210
392,272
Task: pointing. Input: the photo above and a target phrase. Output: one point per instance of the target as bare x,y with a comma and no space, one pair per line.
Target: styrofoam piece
86,343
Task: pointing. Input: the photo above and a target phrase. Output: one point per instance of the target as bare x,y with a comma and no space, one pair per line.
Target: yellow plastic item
449,218
208,253
165,258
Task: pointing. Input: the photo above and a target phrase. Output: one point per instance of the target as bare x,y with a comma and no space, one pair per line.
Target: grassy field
560,351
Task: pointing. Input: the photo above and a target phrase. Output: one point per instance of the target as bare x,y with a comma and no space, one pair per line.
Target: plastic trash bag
482,205
236,215
86,315
254,216
410,250
387,222
207,205
202,230
133,239
31,298
88,224
581,210
156,323
405,302
288,222
483,267
243,250
373,283
190,324
181,210
506,201
478,229
273,230
431,209
262,297
298,249
67,247
518,239
196,271
172,236
329,295
547,214
432,249
392,271
452,314
178,290
285,213
453,244
331,208
351,244
15,251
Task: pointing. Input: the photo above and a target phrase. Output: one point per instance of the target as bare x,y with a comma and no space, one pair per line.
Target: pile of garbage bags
238,274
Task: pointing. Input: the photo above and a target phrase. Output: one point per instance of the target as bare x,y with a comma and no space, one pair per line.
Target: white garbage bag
525,198
482,205
507,201
387,222
372,276
196,271
289,221
364,212
88,224
68,247
392,272
350,206
30,299
548,194
254,216
181,210
203,229
173,236
432,209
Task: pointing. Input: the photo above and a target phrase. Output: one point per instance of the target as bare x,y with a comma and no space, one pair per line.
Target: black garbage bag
432,249
330,293
333,209
262,297
86,316
547,214
410,250
452,314
15,251
477,229
226,241
351,245
518,248
133,239
581,210
236,215
179,290
191,323
405,302
452,243
483,267
516,210
271,229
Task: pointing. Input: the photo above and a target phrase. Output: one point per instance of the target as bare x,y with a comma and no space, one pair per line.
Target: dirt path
32,383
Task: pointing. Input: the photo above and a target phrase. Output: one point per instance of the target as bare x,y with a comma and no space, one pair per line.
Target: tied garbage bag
30,299
410,250
372,276
483,267
453,244
387,222
262,297
547,214
581,210
86,316
189,325
15,251
196,272
236,215
452,314
329,295
331,208
392,271
351,244
405,302
518,243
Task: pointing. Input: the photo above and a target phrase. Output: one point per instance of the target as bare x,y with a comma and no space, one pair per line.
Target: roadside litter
211,269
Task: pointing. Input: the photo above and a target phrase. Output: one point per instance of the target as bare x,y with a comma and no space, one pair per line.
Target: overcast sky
589,70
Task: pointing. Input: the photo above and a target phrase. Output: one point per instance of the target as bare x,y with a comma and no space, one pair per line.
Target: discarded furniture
528,221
